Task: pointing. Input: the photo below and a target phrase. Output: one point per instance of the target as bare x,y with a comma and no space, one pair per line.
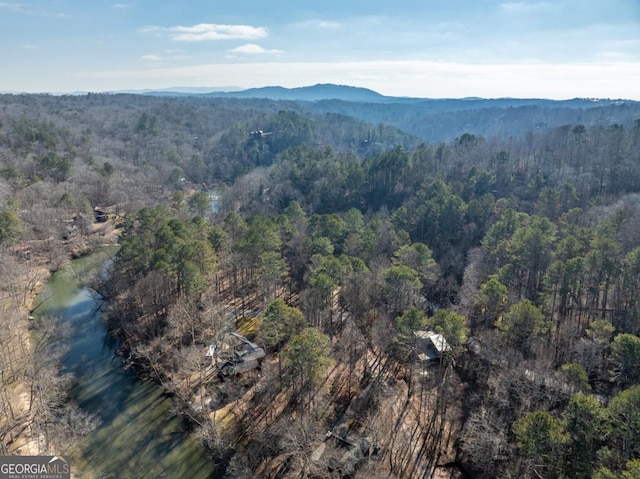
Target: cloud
319,25
253,49
209,31
525,7
22,8
29,47
122,6
16,7
151,57
152,29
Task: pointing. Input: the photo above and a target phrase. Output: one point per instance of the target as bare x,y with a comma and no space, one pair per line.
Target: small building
236,355
331,452
430,345
259,134
101,215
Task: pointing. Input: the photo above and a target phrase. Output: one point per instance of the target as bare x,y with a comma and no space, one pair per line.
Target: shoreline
18,437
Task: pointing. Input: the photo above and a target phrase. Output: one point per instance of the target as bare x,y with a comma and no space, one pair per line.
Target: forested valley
463,307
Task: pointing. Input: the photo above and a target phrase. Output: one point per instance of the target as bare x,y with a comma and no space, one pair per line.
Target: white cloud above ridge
11,5
253,49
14,6
524,7
26,9
154,58
319,24
209,31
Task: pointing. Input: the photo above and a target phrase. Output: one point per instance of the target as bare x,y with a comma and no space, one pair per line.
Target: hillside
444,119
399,307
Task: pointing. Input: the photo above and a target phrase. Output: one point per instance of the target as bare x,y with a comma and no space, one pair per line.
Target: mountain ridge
323,92
331,92
317,92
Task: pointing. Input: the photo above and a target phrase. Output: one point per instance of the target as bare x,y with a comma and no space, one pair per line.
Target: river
138,436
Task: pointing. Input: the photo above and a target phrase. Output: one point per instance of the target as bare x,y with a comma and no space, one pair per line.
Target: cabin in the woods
101,214
236,355
430,345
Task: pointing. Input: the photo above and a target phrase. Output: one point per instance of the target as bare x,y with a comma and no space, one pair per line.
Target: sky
418,48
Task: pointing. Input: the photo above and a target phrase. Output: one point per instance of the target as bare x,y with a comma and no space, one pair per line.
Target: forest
338,245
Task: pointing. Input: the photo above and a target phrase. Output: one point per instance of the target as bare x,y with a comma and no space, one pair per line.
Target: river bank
139,433
21,285
28,333
25,269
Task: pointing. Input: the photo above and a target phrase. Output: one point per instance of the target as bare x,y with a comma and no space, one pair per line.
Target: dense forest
335,246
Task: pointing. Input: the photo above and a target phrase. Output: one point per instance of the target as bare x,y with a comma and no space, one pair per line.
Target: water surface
138,436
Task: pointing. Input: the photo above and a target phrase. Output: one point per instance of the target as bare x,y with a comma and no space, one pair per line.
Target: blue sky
428,48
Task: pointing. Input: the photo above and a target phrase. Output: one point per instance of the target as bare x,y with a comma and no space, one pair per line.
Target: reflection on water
138,436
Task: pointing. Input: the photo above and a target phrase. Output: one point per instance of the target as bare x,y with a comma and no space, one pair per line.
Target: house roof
433,344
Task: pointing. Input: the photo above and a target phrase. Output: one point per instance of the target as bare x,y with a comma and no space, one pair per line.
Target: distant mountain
183,91
317,92
328,92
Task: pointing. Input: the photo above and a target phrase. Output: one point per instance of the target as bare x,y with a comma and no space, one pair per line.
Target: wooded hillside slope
334,242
